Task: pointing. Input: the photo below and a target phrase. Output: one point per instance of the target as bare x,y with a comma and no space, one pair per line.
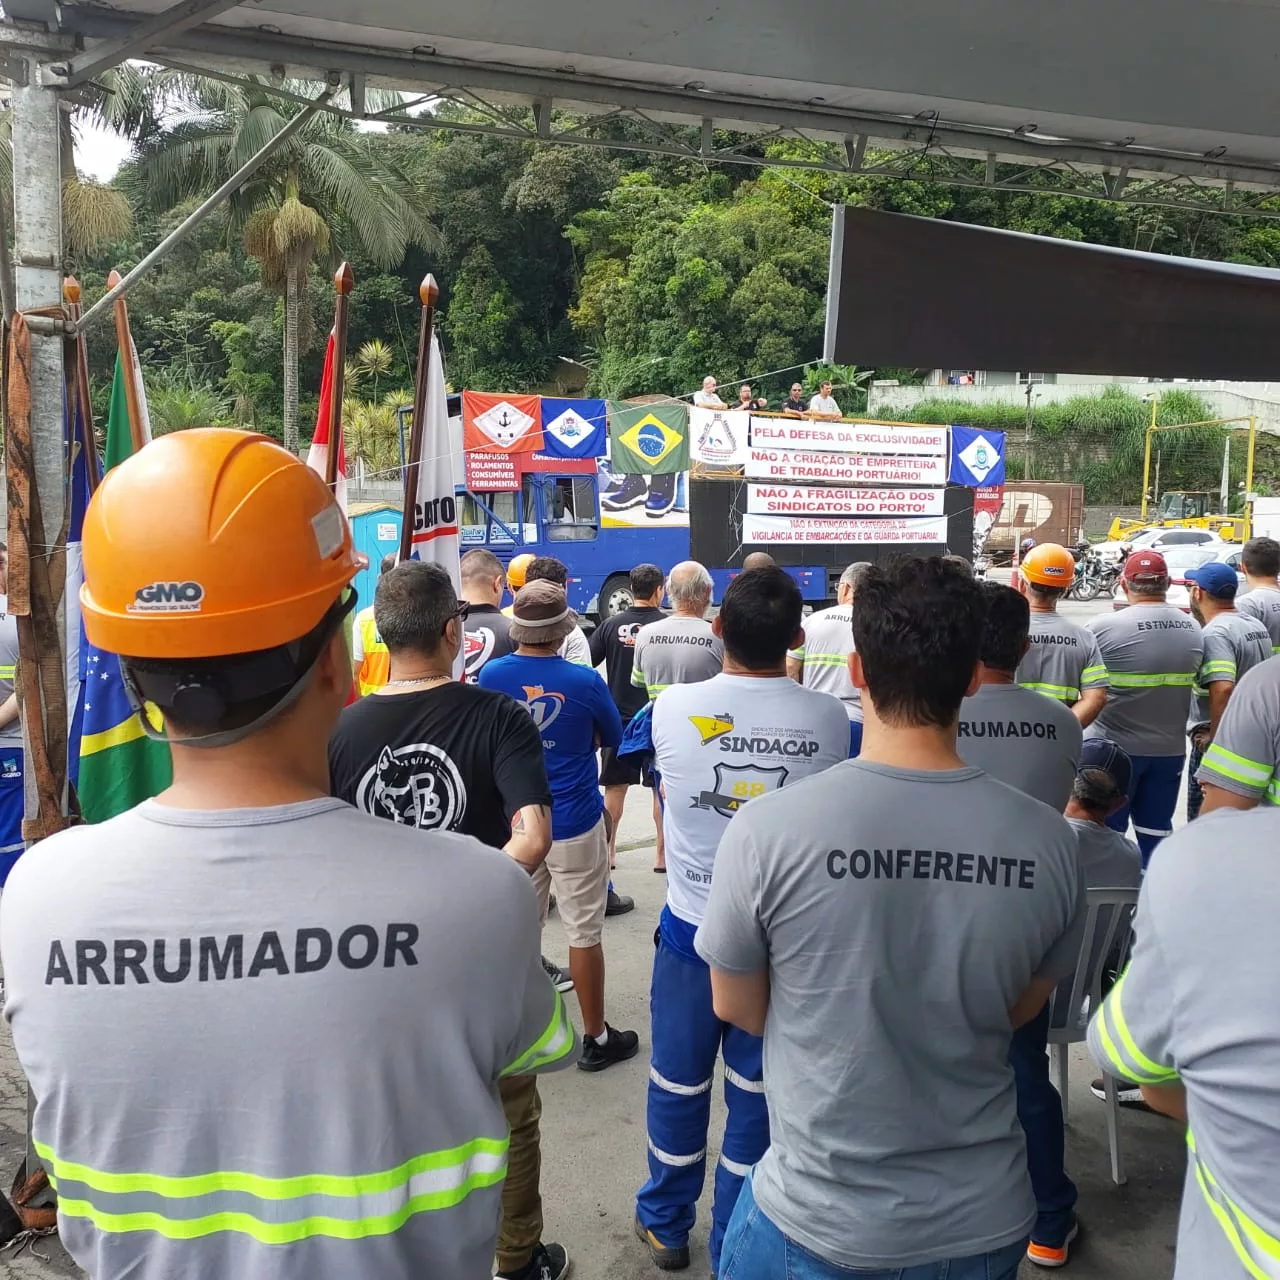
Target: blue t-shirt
571,707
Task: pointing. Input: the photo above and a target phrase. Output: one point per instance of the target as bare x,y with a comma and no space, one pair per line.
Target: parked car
1180,559
1157,540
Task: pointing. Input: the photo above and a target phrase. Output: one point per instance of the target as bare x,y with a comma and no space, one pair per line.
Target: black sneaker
626,492
561,979
620,1046
662,496
664,1257
619,904
1128,1092
549,1262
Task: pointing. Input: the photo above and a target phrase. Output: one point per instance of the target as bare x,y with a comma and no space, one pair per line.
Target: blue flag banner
574,428
977,457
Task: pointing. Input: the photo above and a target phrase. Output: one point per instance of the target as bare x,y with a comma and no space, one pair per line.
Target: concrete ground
594,1128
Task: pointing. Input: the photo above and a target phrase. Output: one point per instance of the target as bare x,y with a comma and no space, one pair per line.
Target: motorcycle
1095,576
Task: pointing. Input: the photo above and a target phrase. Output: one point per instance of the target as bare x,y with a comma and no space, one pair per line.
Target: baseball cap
1147,567
540,614
1218,579
1100,755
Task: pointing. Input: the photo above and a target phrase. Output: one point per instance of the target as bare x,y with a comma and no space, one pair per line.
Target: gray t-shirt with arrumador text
828,642
1030,741
1152,653
900,915
1233,645
1062,658
677,650
1263,603
192,993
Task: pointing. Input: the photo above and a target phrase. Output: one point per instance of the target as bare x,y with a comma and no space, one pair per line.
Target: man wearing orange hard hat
517,571
1063,660
221,942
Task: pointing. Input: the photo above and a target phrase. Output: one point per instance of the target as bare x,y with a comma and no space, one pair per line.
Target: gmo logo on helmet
168,597
1053,571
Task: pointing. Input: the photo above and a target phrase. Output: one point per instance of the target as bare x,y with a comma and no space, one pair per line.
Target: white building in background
987,386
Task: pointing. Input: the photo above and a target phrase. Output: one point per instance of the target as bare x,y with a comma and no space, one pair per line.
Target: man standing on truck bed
1063,660
613,642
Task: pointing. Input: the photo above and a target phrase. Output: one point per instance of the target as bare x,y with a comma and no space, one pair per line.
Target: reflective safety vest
375,667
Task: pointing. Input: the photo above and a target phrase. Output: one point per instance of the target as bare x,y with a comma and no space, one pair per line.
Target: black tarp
931,294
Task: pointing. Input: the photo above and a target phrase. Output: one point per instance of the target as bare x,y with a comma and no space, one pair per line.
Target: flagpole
71,292
124,341
343,282
428,292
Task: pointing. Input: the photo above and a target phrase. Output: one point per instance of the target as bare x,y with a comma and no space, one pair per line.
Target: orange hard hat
209,543
1049,565
517,569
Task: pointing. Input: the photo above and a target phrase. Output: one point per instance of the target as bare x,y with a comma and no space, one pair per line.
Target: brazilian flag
648,439
119,765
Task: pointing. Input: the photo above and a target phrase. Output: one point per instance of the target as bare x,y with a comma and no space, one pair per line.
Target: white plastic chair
1108,934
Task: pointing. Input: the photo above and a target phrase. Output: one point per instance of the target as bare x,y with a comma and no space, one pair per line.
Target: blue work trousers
687,1037
754,1249
1153,796
1040,1114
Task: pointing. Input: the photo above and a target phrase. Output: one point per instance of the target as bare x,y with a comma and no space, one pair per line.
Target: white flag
143,413
435,512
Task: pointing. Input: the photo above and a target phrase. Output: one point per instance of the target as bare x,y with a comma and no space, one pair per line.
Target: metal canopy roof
1115,92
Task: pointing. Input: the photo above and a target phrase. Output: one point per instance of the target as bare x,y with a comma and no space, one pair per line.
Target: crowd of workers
879,828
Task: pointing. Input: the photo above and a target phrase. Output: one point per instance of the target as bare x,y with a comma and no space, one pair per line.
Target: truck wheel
615,595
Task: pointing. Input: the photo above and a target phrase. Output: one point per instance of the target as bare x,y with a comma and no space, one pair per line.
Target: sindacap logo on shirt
417,785
738,783
168,597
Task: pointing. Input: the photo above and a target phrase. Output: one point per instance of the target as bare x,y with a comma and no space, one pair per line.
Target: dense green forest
648,271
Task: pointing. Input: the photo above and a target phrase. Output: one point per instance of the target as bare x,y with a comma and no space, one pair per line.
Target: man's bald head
689,586
759,560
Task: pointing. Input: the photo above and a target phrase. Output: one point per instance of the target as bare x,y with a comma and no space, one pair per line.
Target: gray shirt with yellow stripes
1263,603
1062,659
1152,653
677,650
1233,645
1205,1016
267,1042
1244,757
828,642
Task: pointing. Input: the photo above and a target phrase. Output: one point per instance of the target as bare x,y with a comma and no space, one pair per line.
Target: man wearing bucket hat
221,941
1152,652
1062,659
1233,644
574,712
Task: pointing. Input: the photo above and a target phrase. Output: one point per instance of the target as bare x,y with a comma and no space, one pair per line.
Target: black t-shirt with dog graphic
453,758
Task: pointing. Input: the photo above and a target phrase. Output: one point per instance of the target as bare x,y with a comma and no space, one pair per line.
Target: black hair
960,563
759,617
412,606
547,569
1004,633
1042,592
917,626
1261,557
1095,790
645,580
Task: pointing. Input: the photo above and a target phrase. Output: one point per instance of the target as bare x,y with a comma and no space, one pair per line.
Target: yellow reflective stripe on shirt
556,1042
1094,675
1063,692
1257,1249
432,1181
654,689
1218,667
7,673
796,655
1127,1058
826,660
1253,773
637,676
1152,680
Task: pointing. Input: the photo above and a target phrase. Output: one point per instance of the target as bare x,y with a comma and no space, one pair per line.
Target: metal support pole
37,227
201,212
1146,461
1248,479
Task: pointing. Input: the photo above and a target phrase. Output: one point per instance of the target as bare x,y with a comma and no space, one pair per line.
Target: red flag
318,455
501,424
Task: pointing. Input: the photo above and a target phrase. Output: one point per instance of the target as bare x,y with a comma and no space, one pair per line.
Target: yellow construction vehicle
1189,509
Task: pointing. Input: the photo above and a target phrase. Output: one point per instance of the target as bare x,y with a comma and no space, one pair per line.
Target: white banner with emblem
849,437
758,530
814,467
814,500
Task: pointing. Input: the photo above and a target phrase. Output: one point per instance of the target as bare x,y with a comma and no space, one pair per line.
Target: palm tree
327,188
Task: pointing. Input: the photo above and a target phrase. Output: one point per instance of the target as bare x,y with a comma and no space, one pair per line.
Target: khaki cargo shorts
579,869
